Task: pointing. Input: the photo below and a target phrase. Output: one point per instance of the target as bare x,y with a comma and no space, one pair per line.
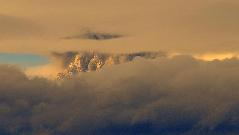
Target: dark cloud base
178,96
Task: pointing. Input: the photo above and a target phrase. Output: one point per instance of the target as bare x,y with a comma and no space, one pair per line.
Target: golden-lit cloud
191,91
172,26
216,56
49,71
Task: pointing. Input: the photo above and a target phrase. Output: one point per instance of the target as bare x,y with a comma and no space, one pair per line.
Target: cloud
167,96
67,57
94,36
13,27
63,58
63,64
48,71
195,27
87,61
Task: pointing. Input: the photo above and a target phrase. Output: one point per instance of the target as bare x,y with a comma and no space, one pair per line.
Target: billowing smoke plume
178,96
75,63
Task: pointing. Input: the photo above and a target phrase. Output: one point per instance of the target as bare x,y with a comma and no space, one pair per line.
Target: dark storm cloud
178,96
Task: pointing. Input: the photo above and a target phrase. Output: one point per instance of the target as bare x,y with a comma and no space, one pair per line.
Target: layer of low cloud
167,96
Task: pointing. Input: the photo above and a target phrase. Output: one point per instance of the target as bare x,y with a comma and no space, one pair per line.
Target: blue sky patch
23,60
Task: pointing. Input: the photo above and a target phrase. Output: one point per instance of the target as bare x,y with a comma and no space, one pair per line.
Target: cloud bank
167,96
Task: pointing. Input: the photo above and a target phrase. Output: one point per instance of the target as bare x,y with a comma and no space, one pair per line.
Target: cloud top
176,96
76,62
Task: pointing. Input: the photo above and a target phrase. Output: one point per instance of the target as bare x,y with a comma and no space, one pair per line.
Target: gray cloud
178,96
94,36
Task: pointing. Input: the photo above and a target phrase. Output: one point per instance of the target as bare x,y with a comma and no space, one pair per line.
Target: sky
24,60
189,27
192,89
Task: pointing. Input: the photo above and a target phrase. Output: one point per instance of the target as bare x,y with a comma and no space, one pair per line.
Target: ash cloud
166,96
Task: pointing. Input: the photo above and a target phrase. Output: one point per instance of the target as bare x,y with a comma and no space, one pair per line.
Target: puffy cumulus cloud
74,63
63,65
66,58
168,96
